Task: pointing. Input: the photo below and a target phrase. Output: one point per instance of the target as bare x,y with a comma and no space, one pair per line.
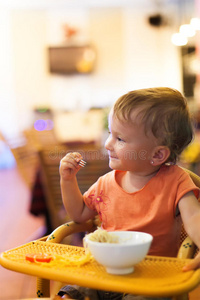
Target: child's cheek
121,145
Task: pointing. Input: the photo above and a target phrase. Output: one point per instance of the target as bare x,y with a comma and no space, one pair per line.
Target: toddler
145,191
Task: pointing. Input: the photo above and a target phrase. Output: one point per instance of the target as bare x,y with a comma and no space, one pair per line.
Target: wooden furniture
26,157
40,139
97,165
50,183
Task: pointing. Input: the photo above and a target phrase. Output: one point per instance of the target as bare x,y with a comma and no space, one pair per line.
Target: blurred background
62,65
125,45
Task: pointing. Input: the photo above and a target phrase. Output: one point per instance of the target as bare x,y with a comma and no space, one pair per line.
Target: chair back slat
97,165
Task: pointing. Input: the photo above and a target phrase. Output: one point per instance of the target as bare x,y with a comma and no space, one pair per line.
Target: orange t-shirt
151,209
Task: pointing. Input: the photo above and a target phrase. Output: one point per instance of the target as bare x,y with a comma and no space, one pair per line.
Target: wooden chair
25,147
26,157
40,139
49,178
97,165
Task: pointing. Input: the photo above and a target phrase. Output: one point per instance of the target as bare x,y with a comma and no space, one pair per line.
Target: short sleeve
89,196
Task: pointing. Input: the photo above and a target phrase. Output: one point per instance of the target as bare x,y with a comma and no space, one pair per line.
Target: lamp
156,20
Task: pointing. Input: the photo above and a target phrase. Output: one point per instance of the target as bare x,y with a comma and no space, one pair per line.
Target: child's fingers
193,265
71,159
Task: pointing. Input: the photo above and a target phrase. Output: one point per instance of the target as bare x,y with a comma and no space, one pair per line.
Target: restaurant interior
63,64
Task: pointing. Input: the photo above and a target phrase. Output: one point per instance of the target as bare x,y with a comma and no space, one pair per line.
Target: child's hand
69,165
193,265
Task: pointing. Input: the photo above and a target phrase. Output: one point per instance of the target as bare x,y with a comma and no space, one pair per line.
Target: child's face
129,147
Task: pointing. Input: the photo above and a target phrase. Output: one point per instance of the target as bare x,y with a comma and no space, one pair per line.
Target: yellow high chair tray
154,276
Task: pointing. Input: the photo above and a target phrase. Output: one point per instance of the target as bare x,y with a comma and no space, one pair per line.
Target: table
154,276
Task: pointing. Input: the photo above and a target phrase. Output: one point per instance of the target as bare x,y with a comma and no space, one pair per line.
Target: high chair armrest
70,228
187,249
43,285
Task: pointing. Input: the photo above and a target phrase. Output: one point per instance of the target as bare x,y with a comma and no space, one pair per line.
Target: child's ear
160,155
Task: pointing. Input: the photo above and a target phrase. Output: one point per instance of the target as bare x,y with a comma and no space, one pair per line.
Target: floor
18,226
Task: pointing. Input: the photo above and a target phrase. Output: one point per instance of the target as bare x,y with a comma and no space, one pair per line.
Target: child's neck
131,182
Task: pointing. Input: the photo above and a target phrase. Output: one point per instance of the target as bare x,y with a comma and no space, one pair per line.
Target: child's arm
190,213
71,194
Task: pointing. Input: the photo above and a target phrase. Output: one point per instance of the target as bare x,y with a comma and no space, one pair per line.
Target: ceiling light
179,39
195,23
187,30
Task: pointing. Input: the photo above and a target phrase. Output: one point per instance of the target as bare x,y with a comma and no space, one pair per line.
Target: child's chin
113,164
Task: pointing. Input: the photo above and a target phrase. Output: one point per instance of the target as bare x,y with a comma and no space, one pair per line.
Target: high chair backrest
184,239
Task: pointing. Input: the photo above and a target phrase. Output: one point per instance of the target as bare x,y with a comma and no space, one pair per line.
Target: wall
8,106
130,54
151,58
30,65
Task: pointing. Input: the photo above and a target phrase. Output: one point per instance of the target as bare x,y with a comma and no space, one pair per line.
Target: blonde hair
164,111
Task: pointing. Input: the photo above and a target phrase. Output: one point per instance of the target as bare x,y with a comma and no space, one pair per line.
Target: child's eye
119,139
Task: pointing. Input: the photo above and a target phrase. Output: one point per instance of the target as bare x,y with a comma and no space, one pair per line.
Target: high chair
155,276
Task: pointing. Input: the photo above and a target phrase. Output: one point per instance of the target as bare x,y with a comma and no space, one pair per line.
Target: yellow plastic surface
154,276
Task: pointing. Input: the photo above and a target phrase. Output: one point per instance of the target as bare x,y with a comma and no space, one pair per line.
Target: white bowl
120,258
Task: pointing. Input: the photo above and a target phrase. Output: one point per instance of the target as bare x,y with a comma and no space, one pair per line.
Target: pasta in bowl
118,251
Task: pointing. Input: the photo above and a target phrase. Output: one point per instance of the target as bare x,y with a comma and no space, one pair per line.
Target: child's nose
108,143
